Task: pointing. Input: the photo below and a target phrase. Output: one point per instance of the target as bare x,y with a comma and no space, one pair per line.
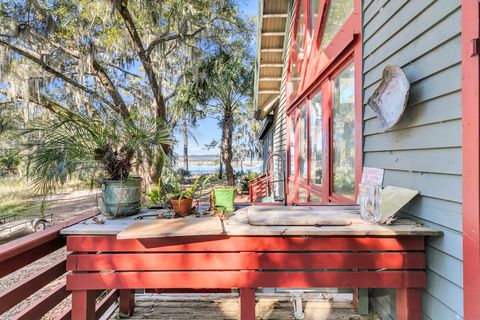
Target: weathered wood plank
237,244
244,261
245,279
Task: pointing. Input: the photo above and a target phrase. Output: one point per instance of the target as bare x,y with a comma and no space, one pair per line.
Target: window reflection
316,139
299,30
294,79
303,142
292,145
344,134
314,4
338,12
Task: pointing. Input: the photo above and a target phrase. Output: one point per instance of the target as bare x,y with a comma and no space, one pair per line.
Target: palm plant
105,147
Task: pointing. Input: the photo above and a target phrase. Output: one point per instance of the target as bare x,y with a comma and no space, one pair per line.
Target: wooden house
318,63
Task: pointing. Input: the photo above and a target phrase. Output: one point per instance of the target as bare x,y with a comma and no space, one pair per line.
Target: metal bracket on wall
475,47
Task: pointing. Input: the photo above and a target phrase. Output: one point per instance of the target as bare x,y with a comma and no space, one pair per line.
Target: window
344,134
314,7
316,139
302,148
337,13
322,110
299,30
291,168
307,138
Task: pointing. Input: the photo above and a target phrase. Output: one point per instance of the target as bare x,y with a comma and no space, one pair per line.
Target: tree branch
169,37
104,78
122,9
46,67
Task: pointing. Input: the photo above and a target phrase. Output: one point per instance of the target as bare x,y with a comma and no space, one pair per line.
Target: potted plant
106,147
182,200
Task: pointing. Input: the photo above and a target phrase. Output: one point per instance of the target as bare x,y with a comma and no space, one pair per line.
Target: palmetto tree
105,146
225,85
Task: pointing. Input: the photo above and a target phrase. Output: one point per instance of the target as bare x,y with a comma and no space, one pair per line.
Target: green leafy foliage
104,148
9,162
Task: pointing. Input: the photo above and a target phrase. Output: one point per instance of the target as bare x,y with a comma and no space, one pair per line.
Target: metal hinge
475,47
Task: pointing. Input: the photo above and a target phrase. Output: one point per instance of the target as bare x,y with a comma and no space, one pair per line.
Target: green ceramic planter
121,198
225,198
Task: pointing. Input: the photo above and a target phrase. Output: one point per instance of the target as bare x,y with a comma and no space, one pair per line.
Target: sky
207,129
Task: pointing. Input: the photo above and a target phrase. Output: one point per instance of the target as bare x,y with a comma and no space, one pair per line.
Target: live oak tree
100,57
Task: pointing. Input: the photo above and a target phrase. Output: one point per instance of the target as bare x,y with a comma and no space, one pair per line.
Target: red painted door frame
471,159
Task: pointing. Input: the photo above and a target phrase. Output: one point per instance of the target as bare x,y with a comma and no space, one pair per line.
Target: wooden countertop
237,225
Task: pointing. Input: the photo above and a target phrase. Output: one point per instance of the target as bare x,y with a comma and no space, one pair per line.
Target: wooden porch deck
274,306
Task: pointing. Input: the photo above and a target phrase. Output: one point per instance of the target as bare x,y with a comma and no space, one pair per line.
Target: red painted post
83,304
247,304
127,303
409,304
471,157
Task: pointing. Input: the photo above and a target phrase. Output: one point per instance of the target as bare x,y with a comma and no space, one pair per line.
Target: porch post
127,302
83,304
247,303
471,157
409,304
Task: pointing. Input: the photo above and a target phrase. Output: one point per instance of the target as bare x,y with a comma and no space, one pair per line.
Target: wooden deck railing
19,253
257,188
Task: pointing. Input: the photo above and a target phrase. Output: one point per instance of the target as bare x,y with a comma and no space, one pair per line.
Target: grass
17,197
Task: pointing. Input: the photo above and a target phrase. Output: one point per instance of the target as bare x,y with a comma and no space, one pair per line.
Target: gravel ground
64,206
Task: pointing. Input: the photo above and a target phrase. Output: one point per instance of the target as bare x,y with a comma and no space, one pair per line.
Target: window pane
344,134
302,195
294,79
292,145
338,12
316,139
303,142
291,169
314,4
299,30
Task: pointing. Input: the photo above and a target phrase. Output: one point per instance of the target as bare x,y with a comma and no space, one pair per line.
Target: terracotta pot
182,207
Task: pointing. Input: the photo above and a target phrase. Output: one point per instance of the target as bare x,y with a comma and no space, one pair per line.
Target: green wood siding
423,151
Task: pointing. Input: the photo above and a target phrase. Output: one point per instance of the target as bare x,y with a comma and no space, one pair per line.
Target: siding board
447,161
421,114
418,25
428,184
407,138
397,14
424,150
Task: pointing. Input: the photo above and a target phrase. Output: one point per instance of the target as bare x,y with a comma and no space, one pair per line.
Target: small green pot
225,198
121,198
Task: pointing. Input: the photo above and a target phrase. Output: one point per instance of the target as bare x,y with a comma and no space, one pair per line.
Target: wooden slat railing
257,188
21,252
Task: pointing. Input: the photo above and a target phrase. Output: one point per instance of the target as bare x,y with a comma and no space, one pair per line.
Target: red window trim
344,49
471,159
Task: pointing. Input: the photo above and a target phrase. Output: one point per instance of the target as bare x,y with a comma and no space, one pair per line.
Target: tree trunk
226,148
185,143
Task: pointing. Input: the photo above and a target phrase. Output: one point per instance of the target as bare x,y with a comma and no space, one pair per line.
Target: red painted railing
257,188
19,253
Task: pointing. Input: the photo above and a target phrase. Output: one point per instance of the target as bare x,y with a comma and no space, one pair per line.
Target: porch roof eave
271,31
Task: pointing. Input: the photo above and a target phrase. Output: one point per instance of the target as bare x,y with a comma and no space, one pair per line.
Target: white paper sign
372,176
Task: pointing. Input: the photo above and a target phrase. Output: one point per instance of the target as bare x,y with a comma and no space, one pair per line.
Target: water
209,167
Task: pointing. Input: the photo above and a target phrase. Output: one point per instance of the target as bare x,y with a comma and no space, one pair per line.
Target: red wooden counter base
220,262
